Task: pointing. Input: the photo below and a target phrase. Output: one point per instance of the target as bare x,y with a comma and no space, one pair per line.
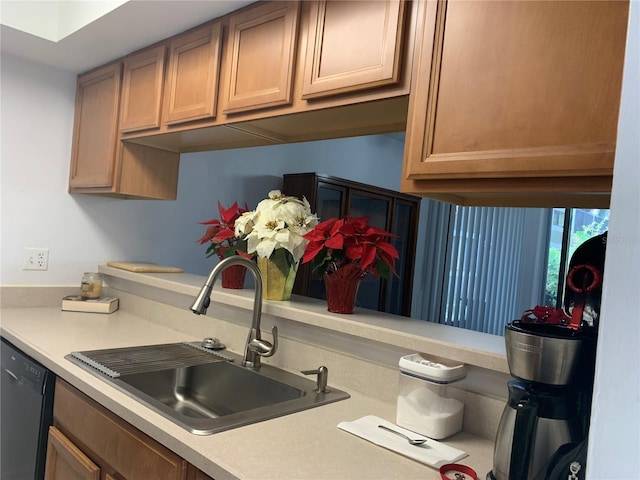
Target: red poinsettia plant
221,233
337,242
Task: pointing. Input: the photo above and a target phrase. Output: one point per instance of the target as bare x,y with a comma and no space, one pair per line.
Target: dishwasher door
26,412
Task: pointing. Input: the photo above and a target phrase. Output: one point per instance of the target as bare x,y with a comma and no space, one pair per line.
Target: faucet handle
264,348
323,376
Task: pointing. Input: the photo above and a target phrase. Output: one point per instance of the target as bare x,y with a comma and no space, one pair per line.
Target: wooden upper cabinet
191,87
100,162
261,56
95,131
363,52
142,90
515,90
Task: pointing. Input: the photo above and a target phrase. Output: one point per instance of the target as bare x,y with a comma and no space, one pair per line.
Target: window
486,265
577,225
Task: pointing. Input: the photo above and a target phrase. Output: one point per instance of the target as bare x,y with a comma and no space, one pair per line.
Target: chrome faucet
256,347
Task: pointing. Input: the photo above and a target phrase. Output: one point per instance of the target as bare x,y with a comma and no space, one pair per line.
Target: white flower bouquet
275,229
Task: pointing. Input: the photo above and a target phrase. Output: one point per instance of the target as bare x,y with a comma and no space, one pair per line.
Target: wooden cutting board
143,267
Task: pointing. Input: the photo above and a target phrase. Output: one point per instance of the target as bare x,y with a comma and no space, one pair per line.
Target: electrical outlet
36,259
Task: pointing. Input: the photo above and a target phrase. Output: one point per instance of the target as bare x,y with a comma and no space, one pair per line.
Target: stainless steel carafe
533,427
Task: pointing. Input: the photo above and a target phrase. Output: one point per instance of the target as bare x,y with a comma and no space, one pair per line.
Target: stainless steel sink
200,390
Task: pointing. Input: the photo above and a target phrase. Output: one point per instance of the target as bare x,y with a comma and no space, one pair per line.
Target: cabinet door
261,55
365,204
516,90
371,293
404,221
330,202
194,474
95,131
362,53
192,77
65,461
96,429
142,90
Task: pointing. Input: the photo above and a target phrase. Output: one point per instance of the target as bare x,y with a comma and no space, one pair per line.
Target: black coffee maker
544,427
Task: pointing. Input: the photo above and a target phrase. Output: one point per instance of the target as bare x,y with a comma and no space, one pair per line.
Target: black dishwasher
26,412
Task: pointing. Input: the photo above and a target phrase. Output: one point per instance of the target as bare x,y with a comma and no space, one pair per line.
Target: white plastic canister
430,396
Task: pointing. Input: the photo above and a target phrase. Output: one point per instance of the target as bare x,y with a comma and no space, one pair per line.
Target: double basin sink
204,391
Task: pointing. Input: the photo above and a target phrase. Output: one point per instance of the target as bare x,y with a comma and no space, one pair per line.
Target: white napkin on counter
432,452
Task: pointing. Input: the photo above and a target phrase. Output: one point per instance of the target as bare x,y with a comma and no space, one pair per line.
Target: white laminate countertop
303,445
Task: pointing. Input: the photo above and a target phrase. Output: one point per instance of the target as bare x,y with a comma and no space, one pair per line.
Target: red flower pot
342,288
233,276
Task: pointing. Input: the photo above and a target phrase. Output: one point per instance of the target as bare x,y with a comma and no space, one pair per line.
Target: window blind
473,266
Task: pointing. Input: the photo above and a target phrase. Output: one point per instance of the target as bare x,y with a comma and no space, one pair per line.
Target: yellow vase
275,284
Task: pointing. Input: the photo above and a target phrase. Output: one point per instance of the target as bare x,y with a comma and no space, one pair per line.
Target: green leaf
383,269
211,250
320,263
282,259
240,246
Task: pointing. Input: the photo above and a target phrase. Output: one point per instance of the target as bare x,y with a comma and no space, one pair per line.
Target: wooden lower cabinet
194,474
66,461
88,441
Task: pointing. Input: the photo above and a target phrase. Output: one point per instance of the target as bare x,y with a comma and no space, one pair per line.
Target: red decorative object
343,252
233,277
543,314
224,243
582,280
220,233
351,240
342,286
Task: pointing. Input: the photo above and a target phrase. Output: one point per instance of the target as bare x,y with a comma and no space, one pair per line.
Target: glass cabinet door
364,204
330,201
399,287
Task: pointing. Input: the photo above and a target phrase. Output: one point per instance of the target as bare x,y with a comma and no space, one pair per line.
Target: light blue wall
249,174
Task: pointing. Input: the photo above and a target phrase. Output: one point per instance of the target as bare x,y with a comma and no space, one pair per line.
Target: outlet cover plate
36,259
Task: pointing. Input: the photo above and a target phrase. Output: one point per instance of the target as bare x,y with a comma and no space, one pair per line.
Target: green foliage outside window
553,269
553,263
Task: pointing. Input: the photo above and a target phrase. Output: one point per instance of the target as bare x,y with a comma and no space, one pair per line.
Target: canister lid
439,371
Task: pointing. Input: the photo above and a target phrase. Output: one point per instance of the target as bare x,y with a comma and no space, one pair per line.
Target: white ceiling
132,25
